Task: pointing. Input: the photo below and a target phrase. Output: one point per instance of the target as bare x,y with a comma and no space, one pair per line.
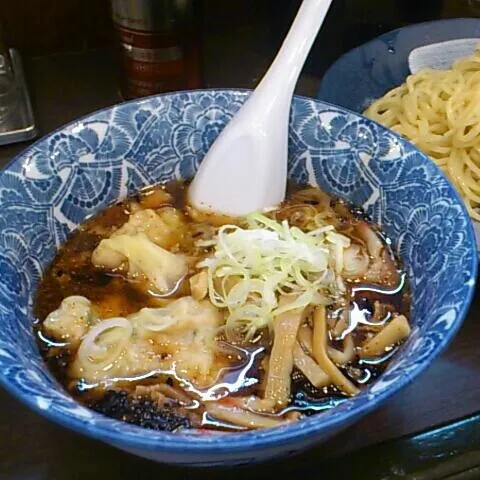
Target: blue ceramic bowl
52,186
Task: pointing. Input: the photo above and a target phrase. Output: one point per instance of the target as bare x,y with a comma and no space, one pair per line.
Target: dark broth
72,273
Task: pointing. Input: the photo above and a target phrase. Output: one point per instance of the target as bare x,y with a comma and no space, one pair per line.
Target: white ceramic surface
441,55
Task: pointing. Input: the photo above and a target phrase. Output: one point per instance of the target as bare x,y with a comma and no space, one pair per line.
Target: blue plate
369,71
49,189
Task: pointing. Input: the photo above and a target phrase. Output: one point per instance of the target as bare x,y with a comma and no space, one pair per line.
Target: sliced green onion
269,259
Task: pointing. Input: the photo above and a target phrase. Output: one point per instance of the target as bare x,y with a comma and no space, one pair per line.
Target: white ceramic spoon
441,56
245,169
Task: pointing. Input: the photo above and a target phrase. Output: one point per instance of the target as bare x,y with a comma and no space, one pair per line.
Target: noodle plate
439,112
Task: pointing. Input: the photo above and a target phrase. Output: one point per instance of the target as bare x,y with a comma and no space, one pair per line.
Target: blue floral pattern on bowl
50,188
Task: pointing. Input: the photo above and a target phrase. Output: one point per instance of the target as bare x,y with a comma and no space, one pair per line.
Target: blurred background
236,39
82,55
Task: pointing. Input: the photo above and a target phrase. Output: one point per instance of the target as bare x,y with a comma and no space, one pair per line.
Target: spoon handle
245,170
283,74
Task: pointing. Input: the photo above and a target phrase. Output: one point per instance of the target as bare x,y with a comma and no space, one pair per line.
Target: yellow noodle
320,354
305,338
394,332
439,111
281,357
345,356
241,417
307,365
340,357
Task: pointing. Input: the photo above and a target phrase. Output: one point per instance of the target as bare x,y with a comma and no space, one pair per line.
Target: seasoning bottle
159,45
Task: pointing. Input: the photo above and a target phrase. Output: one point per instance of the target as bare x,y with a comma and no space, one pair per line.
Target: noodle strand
439,112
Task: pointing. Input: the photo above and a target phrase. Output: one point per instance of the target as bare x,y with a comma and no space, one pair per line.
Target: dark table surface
67,86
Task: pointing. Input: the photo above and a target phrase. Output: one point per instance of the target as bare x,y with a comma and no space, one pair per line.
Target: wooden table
68,86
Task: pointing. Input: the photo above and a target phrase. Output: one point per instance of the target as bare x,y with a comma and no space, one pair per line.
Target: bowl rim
241,442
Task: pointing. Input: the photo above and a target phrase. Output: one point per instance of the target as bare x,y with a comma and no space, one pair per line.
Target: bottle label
151,62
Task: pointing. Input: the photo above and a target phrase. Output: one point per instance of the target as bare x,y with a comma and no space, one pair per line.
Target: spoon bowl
245,170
